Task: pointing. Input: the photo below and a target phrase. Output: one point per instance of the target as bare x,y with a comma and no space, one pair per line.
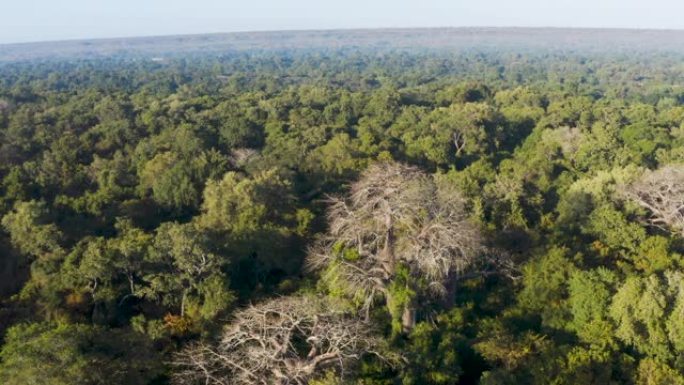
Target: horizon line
295,30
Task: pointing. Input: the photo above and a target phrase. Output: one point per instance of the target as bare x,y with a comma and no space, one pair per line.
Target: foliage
76,354
506,213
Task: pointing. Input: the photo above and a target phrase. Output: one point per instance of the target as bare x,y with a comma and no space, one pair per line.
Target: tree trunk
408,317
182,309
131,282
388,247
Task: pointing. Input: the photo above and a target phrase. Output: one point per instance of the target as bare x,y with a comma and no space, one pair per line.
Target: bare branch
395,216
661,192
287,340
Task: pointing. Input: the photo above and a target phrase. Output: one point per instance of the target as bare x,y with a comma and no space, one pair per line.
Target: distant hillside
433,38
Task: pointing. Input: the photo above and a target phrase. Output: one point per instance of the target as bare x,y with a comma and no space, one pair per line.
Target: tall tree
400,234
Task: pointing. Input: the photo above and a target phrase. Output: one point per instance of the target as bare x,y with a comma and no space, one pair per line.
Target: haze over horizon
43,20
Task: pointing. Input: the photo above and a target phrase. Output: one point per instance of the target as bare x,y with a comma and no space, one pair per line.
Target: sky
44,20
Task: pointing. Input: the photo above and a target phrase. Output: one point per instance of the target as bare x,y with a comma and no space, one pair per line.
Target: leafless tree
396,217
661,192
569,139
284,341
459,141
239,157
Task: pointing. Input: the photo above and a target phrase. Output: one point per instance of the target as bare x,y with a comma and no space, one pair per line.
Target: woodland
477,215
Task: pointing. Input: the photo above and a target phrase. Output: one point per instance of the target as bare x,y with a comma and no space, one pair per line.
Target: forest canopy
456,215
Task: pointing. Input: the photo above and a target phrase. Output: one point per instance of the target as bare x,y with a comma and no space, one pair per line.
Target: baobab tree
661,192
398,235
288,340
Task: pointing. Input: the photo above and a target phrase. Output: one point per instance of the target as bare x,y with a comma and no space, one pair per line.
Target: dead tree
239,157
284,341
459,141
661,192
396,219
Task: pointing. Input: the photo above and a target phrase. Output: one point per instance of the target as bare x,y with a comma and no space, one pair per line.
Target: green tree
647,311
31,231
185,275
76,354
590,296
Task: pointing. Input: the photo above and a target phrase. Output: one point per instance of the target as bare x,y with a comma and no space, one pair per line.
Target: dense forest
477,215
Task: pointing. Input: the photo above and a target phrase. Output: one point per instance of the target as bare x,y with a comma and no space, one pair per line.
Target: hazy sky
36,20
